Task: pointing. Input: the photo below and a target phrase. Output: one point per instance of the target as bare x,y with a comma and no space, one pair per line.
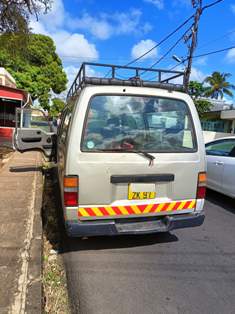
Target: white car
220,155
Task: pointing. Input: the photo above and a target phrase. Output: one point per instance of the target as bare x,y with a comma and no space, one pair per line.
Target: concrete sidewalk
21,185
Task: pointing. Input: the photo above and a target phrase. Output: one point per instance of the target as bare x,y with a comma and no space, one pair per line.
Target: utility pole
197,4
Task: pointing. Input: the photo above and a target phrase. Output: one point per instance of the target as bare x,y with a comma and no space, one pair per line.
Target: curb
34,289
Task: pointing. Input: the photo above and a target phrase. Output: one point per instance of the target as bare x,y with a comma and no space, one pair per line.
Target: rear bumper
117,227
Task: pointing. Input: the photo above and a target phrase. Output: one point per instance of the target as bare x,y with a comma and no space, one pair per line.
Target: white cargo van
130,153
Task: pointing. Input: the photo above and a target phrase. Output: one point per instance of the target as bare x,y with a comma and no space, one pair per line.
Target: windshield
143,123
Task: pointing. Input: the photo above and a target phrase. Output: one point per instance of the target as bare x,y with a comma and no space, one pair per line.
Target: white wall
210,136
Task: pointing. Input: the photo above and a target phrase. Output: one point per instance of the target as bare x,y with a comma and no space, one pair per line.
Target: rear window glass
138,123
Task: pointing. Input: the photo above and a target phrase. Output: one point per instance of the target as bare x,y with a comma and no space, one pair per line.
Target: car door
217,153
33,132
229,172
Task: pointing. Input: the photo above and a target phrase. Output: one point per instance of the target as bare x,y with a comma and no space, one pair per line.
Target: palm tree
218,85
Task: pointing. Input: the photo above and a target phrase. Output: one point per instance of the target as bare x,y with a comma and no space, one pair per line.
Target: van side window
65,125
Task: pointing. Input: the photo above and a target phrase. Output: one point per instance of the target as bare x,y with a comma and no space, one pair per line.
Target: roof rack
161,78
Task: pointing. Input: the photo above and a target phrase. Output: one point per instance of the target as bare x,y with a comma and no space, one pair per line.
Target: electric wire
161,42
169,35
169,50
173,32
204,55
158,44
198,56
211,4
215,39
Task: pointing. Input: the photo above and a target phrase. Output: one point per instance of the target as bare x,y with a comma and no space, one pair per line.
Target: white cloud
38,27
143,46
201,61
197,75
233,8
55,17
68,44
157,3
71,72
231,55
74,45
100,28
106,25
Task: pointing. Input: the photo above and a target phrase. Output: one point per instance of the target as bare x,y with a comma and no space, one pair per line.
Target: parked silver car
220,155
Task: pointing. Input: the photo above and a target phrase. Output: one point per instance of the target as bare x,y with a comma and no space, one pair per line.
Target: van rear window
150,124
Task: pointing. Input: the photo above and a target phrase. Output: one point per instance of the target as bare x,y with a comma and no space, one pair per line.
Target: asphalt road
186,271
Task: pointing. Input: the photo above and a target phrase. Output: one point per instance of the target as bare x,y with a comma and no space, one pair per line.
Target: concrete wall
210,136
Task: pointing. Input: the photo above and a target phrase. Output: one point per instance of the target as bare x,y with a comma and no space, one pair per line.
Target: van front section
138,158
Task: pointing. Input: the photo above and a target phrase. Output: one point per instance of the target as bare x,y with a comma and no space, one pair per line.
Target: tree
202,106
14,14
196,89
56,107
39,70
218,85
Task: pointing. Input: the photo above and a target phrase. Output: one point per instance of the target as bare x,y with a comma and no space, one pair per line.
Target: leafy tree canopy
202,106
56,107
39,70
14,14
196,89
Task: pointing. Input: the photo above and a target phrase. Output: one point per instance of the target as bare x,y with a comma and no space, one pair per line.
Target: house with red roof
10,99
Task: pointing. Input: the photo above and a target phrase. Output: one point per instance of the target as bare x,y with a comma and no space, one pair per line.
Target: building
221,117
6,79
10,99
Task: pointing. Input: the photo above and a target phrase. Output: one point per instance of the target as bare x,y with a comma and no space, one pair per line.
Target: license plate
140,195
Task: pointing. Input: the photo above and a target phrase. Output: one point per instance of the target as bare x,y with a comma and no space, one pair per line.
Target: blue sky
111,31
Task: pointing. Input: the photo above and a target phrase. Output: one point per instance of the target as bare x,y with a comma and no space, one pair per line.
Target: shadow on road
117,242
221,200
55,233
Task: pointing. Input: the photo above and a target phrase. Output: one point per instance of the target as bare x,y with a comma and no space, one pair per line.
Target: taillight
201,185
71,191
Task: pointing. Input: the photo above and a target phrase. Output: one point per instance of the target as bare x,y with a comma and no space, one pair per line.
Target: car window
221,148
138,122
33,118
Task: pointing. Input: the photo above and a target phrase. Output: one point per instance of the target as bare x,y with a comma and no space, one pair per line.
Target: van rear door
139,157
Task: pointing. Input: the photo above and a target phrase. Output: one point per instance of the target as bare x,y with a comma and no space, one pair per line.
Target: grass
54,276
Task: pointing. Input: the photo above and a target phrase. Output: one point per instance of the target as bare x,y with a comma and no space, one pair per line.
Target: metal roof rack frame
83,79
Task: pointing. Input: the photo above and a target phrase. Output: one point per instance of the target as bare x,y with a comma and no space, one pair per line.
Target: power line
204,55
211,4
193,40
173,32
162,41
170,49
215,39
196,17
214,52
197,4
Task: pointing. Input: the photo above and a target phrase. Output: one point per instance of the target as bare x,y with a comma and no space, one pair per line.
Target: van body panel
142,226
130,153
95,169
